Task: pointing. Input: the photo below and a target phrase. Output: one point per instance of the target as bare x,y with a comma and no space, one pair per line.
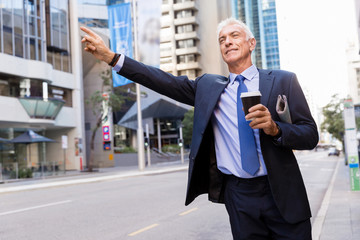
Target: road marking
320,217
35,207
188,211
143,229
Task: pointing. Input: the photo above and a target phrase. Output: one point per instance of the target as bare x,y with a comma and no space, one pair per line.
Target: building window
186,43
185,28
22,25
165,60
184,13
186,58
164,47
7,27
58,35
190,73
91,22
62,94
182,1
25,87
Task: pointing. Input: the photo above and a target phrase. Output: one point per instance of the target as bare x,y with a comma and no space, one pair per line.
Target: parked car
333,151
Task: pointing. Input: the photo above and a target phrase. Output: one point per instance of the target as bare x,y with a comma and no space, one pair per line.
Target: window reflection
22,31
58,35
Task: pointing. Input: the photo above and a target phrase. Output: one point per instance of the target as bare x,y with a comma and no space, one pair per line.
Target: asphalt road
145,207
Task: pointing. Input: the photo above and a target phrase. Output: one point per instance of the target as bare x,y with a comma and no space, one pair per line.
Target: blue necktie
249,157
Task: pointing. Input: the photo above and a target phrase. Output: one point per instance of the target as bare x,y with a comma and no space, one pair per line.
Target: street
145,207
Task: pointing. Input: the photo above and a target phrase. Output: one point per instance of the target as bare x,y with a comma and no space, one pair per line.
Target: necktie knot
240,78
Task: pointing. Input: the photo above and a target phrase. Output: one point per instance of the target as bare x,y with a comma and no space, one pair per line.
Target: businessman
247,164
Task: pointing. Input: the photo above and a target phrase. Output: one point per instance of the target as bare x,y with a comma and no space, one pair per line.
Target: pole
148,146
140,131
182,145
64,161
1,177
159,134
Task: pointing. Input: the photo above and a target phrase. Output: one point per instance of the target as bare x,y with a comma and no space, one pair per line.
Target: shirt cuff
119,63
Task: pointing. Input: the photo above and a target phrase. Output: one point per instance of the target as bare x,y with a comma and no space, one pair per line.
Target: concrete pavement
339,216
337,219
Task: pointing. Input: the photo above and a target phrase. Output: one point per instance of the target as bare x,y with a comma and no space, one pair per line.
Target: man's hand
96,46
262,120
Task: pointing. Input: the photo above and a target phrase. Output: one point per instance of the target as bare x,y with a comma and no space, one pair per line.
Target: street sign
351,144
64,142
106,133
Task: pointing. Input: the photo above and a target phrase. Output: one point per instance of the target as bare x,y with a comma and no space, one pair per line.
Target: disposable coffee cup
250,99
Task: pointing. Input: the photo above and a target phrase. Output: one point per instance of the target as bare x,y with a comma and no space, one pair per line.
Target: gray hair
233,21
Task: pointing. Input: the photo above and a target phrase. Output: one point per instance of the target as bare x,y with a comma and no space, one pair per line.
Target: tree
333,114
102,101
188,126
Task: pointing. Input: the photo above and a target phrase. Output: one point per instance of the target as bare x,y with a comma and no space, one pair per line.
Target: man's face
234,46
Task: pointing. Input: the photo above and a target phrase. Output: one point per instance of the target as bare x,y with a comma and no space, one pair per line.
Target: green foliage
333,118
172,148
105,98
124,150
25,173
188,126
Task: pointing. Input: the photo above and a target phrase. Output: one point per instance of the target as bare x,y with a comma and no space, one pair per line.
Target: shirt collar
248,73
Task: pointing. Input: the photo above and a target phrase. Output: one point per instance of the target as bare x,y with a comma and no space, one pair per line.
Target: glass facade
260,16
58,35
270,34
36,30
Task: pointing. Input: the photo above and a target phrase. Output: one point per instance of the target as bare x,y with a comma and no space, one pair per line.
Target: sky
313,38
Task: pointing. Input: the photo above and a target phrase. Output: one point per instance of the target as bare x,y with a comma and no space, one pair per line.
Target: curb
90,179
320,217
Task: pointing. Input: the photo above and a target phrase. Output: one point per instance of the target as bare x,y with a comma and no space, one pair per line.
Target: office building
41,83
260,16
353,56
188,46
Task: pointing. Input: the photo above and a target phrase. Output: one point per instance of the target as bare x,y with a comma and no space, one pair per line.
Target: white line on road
35,207
320,217
143,229
188,211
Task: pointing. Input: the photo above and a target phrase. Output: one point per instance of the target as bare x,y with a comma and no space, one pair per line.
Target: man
268,201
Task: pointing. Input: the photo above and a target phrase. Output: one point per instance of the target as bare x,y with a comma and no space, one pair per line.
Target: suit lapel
208,92
266,82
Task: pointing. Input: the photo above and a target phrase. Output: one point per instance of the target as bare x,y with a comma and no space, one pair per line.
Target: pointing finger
88,31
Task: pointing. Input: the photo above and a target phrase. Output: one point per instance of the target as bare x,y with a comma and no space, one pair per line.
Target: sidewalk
103,174
339,215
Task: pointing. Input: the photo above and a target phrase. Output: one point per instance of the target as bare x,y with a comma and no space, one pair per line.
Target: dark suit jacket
284,176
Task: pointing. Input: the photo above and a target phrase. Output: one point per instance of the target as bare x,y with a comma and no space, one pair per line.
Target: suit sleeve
302,134
178,88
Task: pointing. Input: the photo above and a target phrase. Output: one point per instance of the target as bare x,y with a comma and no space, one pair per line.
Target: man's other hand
262,120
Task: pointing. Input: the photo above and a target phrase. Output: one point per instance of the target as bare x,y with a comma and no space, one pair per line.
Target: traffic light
180,142
146,142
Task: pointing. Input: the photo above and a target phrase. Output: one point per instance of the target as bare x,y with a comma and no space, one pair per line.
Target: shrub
173,148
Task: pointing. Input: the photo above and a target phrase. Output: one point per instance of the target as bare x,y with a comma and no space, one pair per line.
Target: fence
12,171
